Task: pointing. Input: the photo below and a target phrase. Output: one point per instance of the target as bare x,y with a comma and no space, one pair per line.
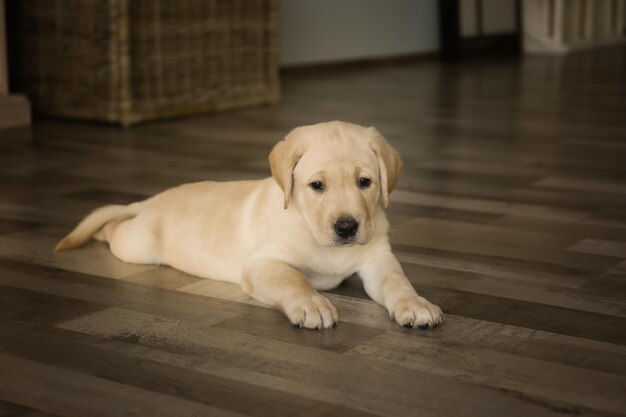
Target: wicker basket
127,61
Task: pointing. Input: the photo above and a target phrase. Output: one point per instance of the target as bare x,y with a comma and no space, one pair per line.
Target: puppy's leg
280,285
385,283
131,240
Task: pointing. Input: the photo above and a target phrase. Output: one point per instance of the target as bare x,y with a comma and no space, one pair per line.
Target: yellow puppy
316,222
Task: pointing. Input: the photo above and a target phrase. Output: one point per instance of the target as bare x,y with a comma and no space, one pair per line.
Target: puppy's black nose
346,227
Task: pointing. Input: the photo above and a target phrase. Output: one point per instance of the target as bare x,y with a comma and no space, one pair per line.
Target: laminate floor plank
573,229
493,241
14,410
506,270
489,206
9,225
166,379
116,293
607,285
35,246
567,321
522,290
593,186
311,367
105,196
498,266
568,385
98,396
601,247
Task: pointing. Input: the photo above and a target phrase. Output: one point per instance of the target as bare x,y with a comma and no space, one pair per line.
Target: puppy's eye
317,185
364,182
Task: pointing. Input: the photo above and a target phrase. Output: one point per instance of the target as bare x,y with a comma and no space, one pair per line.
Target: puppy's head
336,175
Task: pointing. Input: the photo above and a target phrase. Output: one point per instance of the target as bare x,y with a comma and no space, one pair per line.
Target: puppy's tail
94,222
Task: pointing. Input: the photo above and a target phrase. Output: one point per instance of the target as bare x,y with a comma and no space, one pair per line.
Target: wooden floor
511,216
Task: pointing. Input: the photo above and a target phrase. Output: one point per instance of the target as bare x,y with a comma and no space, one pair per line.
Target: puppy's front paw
415,311
311,311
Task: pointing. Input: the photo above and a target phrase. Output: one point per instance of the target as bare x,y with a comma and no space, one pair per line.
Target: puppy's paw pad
416,311
312,312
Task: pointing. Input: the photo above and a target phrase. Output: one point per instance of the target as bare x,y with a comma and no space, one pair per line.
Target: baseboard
14,111
370,62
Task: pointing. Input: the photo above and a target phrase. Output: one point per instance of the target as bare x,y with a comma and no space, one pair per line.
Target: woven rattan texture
127,61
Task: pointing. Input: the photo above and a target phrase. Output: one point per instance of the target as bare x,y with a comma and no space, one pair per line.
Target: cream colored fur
276,237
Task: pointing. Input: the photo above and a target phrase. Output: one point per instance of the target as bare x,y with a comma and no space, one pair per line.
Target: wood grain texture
511,215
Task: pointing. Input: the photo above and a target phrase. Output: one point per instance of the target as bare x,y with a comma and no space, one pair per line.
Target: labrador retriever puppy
315,222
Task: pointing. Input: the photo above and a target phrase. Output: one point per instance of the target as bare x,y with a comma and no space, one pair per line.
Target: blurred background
131,61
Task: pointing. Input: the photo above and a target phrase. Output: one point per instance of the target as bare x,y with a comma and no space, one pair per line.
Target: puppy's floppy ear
389,164
283,159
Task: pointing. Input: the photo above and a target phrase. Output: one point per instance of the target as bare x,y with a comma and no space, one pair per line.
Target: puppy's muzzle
346,227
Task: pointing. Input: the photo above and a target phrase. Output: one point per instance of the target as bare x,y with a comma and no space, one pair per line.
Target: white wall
313,31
